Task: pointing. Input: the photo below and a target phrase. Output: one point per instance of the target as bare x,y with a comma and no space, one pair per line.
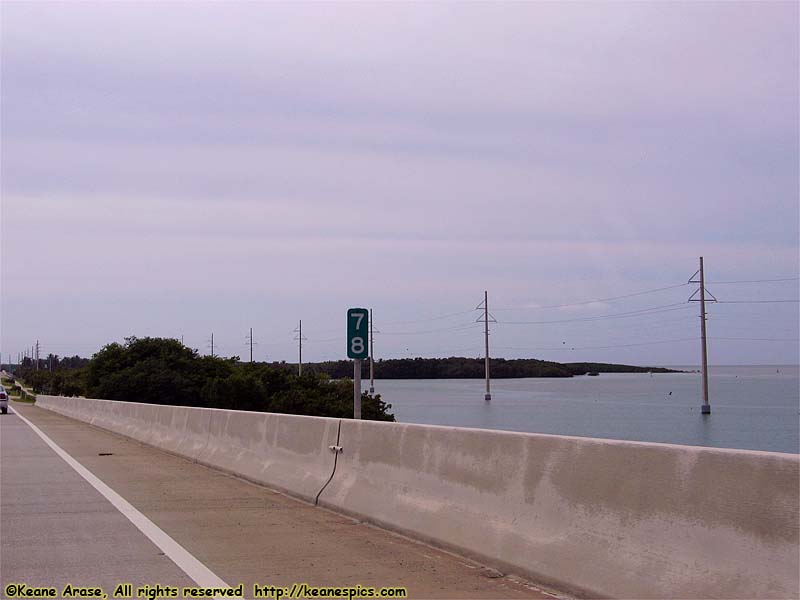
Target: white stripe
196,570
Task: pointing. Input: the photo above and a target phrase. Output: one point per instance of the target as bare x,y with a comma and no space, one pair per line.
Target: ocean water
756,408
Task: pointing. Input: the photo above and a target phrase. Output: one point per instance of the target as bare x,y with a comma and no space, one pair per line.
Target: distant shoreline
457,367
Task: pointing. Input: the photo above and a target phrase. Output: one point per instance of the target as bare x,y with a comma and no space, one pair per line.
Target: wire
758,339
661,289
755,280
602,347
456,328
643,312
755,301
447,316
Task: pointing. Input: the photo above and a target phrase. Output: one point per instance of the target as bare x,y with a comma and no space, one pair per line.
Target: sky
183,169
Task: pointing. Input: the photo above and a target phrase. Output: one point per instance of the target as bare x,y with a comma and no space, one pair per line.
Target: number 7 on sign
357,331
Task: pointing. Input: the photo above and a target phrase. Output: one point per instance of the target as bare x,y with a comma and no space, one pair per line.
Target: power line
756,301
447,316
661,289
694,339
426,320
456,328
637,313
758,339
755,280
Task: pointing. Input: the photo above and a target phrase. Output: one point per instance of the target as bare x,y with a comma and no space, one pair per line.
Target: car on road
3,400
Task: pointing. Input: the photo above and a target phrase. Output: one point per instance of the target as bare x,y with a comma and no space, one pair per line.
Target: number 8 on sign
357,331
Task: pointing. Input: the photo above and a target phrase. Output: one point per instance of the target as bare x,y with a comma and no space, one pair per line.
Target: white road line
187,563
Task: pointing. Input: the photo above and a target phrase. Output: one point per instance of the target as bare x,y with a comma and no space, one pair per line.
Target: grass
28,400
17,396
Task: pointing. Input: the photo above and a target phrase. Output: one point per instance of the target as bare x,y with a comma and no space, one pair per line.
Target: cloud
191,166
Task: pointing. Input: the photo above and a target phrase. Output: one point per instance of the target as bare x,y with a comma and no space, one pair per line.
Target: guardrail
596,517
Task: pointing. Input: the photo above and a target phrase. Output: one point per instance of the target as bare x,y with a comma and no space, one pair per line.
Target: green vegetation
164,371
584,368
469,368
16,395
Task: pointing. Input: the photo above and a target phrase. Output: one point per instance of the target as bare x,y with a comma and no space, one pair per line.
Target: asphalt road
56,528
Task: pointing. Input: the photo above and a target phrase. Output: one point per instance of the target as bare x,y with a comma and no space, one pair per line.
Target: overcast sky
178,169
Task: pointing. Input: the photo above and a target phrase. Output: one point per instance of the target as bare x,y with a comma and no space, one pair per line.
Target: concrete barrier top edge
202,408
585,439
478,430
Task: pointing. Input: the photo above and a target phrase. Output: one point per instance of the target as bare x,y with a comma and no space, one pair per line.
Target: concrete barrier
288,452
596,517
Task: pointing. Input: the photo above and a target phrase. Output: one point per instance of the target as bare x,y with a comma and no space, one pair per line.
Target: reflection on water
752,407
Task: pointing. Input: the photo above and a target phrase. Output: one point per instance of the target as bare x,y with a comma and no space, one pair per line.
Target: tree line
457,367
164,371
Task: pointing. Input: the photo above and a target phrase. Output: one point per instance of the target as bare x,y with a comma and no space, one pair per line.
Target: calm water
753,407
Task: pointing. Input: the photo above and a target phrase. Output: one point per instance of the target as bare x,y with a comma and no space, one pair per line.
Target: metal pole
251,344
212,345
706,407
357,388
488,395
37,355
371,352
300,339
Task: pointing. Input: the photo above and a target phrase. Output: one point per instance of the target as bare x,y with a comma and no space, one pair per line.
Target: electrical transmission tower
299,337
212,345
706,407
486,318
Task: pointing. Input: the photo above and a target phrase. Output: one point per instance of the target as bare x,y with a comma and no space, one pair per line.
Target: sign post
357,349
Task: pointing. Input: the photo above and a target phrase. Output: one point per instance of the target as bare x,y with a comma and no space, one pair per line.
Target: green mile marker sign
357,332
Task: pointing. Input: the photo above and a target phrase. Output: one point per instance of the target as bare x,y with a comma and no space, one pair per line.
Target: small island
458,367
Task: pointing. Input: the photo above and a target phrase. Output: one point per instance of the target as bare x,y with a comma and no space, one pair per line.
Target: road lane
243,532
57,529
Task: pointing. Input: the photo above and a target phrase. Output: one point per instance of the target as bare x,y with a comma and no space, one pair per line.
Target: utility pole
488,395
250,337
299,337
705,409
371,355
212,344
485,319
37,355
